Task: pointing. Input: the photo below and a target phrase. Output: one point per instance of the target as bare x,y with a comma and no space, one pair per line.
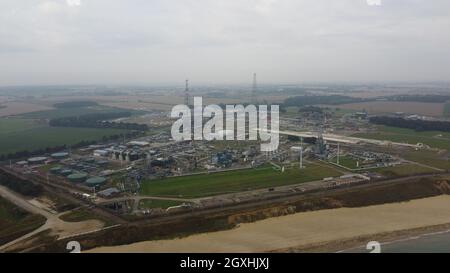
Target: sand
307,228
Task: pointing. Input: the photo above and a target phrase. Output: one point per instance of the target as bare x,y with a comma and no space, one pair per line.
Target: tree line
420,98
58,148
98,120
21,186
415,124
316,100
75,104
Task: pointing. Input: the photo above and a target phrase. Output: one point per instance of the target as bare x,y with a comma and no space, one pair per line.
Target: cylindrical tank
55,170
89,160
37,160
61,155
77,177
95,181
66,172
103,162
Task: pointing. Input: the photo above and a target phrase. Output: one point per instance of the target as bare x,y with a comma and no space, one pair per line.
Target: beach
300,230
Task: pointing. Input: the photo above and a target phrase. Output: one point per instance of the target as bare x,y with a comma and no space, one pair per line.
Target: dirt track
56,226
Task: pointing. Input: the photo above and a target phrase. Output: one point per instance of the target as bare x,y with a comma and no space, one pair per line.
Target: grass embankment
233,181
403,170
153,204
84,214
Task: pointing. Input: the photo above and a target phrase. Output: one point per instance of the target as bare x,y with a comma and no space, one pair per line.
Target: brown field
149,102
17,108
157,102
375,107
152,101
303,229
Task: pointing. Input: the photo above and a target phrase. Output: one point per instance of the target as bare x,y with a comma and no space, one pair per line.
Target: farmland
70,112
434,139
18,108
376,107
447,110
43,137
9,125
31,132
233,181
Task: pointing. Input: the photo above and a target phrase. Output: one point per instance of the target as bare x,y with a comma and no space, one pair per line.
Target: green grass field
429,158
84,214
15,222
20,134
153,204
233,181
11,125
346,161
434,139
403,170
31,132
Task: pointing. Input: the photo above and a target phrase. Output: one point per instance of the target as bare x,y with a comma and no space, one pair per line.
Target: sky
223,41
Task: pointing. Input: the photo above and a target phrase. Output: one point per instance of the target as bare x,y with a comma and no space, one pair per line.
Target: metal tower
186,93
301,157
338,153
254,87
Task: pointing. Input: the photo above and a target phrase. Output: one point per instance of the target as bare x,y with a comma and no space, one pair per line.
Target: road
56,226
63,191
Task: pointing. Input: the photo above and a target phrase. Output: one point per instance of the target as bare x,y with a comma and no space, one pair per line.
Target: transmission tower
186,93
254,87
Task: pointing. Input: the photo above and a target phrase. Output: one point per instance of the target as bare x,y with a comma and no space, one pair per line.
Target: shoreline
349,245
329,230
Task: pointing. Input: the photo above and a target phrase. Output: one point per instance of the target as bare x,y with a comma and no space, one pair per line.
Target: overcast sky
222,41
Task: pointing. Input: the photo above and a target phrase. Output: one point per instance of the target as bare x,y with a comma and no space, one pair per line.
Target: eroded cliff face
351,197
252,216
443,186
364,197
